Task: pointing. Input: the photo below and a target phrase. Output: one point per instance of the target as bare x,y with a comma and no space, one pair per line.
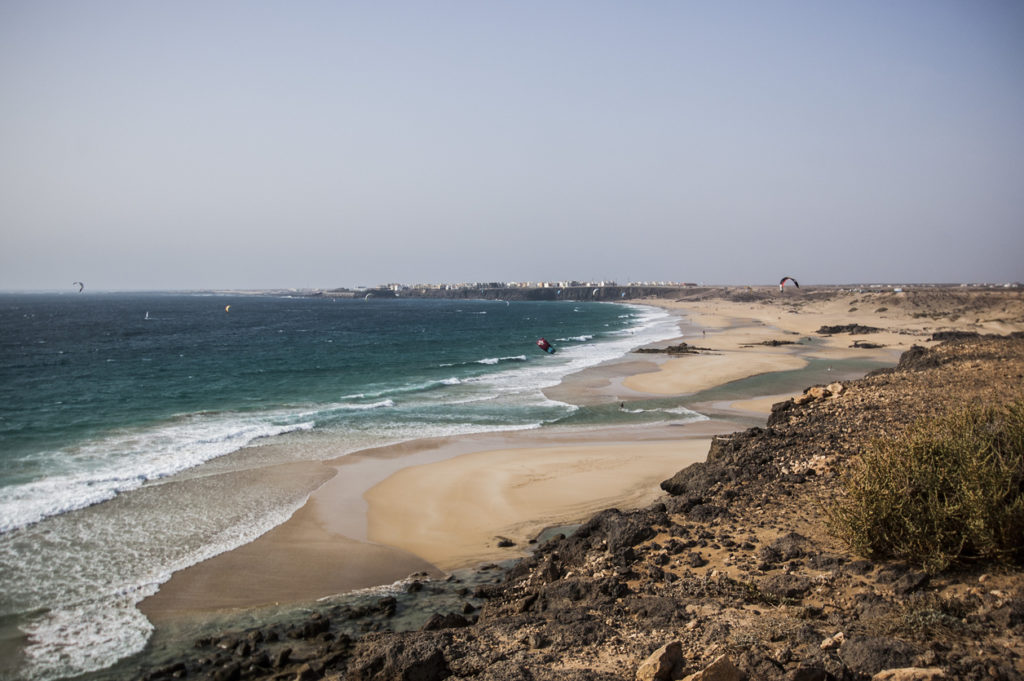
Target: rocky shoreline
731,575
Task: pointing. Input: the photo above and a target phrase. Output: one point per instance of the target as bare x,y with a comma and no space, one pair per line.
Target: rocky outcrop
678,349
858,329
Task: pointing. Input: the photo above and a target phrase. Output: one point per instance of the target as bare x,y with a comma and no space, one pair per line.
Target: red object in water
545,346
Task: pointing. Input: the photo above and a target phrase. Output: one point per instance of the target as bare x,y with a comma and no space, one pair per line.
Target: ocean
129,422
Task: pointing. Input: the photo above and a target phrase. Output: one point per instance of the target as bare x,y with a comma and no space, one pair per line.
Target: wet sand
454,512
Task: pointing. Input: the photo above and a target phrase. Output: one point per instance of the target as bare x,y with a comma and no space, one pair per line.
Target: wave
486,360
380,404
496,360
678,411
126,460
90,618
424,386
580,339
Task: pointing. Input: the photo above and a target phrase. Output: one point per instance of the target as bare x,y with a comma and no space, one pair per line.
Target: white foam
84,617
496,360
381,404
697,416
124,461
423,386
85,637
678,411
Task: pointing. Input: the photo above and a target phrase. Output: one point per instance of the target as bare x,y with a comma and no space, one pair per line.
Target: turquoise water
129,425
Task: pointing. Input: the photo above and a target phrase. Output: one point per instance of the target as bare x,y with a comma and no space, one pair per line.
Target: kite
782,282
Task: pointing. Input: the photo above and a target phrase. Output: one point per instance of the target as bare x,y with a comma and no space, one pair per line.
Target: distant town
516,290
589,290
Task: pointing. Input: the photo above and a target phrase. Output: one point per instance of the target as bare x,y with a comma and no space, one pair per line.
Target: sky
267,144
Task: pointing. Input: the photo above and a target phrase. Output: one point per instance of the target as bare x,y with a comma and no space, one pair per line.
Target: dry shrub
948,490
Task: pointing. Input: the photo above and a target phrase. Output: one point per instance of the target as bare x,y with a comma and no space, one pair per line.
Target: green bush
948,490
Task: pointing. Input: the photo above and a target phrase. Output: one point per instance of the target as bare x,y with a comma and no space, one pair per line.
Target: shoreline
348,517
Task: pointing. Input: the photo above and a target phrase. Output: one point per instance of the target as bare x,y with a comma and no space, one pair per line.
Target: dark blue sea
119,414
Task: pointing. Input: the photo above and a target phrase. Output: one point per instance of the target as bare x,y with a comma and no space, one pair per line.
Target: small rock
664,664
833,641
910,674
695,559
859,567
722,669
176,670
809,672
282,657
230,672
910,582
538,640
308,672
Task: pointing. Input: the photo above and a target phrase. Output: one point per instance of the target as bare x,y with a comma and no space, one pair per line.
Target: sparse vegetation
948,490
926,617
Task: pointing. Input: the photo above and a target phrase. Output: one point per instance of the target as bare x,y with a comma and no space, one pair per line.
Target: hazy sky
195,144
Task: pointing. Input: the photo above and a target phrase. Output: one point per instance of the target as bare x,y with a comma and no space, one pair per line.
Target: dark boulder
449,621
314,626
910,582
785,586
780,412
1011,614
229,672
918,358
409,657
787,547
942,336
697,479
870,655
628,531
704,513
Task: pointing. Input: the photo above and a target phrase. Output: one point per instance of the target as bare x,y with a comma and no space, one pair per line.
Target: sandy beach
438,505
454,513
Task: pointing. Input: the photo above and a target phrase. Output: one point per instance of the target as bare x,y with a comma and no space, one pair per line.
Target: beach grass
949,490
